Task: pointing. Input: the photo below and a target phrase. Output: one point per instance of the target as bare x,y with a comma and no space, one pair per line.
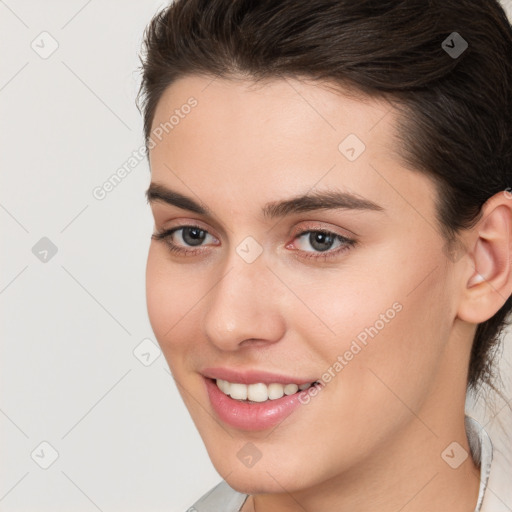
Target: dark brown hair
456,110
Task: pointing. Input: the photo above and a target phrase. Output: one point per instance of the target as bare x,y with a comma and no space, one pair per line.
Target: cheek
394,318
170,297
157,291
391,334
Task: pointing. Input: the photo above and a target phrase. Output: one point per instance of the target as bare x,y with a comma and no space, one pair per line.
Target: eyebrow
324,200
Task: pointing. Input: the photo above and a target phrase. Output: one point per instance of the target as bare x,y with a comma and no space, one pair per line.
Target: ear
488,279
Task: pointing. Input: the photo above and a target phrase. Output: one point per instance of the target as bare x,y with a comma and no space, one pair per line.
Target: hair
455,112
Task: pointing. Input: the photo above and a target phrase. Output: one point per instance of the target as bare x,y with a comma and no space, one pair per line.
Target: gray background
73,371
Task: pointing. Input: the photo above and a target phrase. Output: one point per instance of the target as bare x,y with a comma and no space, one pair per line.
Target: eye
322,242
191,236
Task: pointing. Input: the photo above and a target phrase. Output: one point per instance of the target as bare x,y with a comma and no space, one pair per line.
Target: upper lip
252,376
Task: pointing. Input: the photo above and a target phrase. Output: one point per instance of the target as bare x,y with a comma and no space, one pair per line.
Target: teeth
275,391
223,385
289,389
258,392
237,391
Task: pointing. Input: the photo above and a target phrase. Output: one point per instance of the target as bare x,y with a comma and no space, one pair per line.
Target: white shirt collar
480,446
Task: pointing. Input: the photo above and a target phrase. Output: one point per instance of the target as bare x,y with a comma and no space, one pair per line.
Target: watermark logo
147,352
249,455
45,45
454,455
44,455
249,249
44,250
454,45
351,147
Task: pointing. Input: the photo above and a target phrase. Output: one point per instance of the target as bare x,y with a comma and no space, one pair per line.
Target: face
350,293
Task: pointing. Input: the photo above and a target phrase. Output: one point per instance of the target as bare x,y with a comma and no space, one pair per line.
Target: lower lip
250,416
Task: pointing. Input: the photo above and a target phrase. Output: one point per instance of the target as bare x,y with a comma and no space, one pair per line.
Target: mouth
256,400
260,392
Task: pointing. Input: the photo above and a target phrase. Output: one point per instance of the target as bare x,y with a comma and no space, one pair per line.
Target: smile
259,392
255,400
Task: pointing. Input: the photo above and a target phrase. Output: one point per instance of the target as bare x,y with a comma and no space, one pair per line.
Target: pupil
320,238
193,236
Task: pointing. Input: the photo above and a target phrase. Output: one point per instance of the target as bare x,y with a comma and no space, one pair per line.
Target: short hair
454,102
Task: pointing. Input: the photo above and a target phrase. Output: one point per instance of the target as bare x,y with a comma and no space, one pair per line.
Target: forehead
299,108
286,134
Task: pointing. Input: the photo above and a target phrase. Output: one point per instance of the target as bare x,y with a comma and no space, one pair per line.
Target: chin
248,482
267,476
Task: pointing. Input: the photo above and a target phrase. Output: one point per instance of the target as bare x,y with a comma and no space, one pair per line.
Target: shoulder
220,498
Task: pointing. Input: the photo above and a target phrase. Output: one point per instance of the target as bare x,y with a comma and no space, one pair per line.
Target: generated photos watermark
356,347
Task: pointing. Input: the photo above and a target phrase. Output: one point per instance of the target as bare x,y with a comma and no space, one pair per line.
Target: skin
372,439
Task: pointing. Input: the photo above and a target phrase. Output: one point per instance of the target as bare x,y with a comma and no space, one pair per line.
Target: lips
246,414
253,376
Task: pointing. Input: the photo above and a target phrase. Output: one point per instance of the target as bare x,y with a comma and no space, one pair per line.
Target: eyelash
324,256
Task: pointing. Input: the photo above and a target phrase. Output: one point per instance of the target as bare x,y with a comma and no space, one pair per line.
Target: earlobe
490,281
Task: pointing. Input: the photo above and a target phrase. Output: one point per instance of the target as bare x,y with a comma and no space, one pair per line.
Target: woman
330,268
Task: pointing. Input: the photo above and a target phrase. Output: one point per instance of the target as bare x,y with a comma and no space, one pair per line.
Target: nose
243,307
